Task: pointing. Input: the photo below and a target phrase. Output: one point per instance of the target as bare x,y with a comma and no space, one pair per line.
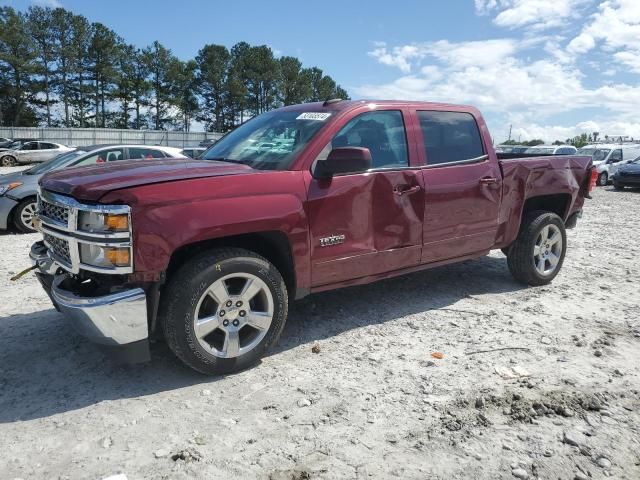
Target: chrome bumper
113,320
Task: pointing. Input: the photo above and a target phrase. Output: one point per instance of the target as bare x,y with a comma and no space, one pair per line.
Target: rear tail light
593,180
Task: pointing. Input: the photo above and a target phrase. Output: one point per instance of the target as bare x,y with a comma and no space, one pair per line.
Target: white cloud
47,3
497,77
532,14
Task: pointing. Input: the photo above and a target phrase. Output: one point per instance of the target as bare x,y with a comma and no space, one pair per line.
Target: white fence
92,136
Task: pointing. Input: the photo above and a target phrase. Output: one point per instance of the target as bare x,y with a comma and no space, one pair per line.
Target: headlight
5,188
107,257
95,222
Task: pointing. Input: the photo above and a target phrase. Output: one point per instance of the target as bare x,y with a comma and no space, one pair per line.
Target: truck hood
91,183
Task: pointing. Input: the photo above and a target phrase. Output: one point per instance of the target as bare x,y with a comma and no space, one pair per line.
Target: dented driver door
367,223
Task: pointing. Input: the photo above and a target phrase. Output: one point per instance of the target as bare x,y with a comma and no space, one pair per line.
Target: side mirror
343,160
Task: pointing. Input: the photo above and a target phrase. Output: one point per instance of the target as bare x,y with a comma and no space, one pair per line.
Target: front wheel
223,309
603,179
24,215
536,256
8,161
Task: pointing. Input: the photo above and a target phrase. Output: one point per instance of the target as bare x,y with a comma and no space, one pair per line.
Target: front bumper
116,321
6,205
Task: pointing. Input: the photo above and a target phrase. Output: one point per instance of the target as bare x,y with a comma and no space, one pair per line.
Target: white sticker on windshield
319,116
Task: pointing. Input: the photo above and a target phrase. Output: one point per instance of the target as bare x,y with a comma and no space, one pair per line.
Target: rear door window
450,136
30,146
102,156
145,153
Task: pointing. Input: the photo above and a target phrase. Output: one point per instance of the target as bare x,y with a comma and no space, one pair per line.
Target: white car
31,152
607,158
552,150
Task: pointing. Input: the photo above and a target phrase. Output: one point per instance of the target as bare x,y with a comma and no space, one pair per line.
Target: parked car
14,144
607,158
31,152
511,148
18,190
5,142
551,150
208,142
209,254
193,152
627,175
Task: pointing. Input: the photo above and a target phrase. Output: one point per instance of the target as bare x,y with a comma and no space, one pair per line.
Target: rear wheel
24,214
603,179
536,256
223,309
8,161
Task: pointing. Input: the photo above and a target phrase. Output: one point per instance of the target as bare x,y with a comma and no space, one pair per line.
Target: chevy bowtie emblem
332,240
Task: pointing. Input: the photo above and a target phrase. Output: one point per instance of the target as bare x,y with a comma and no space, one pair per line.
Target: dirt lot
373,403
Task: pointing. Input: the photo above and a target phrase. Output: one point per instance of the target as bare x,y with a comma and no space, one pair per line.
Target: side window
616,156
382,132
30,146
102,157
142,153
47,146
450,136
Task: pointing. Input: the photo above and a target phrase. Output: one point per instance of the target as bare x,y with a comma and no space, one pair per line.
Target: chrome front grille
59,246
57,213
66,239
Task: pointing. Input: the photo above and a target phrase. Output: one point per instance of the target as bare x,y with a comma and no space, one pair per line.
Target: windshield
15,145
269,141
596,154
60,161
539,151
636,161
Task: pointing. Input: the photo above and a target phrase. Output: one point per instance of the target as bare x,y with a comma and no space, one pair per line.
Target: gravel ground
374,402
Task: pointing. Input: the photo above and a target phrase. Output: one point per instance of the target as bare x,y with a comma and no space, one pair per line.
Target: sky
551,69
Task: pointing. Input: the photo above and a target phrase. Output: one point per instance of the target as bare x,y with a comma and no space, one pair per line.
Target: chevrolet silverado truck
208,253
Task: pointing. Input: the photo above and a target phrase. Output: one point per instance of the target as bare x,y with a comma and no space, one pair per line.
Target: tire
8,161
194,292
23,215
603,179
617,186
524,263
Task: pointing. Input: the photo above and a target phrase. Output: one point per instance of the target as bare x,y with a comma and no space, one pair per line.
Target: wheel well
274,246
558,204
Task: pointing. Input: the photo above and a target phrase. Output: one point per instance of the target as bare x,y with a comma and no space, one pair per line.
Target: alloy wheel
547,250
233,315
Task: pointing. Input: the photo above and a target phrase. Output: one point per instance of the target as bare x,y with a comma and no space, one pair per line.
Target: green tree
295,86
183,80
213,64
81,91
40,24
261,77
17,65
158,60
237,92
580,141
62,36
104,49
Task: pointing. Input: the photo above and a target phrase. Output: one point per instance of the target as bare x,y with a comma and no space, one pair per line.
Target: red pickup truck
208,253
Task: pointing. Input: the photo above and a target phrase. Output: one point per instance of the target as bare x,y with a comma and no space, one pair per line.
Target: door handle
406,190
488,181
